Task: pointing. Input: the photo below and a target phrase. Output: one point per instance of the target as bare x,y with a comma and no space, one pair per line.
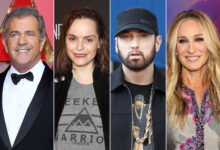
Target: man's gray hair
25,12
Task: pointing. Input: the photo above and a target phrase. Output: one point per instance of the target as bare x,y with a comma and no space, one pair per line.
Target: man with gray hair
26,87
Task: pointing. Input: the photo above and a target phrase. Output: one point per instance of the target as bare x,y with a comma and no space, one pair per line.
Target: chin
193,69
81,64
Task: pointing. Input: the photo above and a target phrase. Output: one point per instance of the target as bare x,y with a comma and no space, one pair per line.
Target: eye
71,39
14,34
30,34
144,34
124,36
89,40
182,41
199,39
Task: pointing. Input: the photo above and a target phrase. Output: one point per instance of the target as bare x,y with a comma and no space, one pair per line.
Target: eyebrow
29,31
193,35
88,36
15,31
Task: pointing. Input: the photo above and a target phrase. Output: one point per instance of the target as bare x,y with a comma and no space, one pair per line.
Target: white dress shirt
17,98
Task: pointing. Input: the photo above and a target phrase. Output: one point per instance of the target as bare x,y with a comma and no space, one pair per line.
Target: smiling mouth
192,58
24,50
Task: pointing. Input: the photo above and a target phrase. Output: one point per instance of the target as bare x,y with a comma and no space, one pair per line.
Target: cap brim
135,26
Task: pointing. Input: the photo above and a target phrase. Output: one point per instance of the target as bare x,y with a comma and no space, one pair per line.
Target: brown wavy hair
176,106
101,60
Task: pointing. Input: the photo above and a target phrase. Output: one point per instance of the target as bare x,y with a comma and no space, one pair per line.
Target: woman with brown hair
82,82
193,83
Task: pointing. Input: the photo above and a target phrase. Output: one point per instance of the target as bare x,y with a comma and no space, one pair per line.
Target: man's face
23,42
136,48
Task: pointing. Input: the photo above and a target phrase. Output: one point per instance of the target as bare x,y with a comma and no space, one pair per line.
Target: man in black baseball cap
137,42
137,18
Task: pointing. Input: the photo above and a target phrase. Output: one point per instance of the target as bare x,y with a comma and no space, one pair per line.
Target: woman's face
82,41
191,49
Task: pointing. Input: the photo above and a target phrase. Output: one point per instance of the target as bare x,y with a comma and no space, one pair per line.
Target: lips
192,58
22,49
80,55
135,55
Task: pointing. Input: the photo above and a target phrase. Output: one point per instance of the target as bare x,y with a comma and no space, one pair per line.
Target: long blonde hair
176,107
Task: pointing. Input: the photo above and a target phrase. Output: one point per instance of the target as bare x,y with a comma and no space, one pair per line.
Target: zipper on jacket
131,114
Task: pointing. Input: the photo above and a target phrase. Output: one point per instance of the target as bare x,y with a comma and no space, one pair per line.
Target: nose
79,45
134,44
22,39
191,49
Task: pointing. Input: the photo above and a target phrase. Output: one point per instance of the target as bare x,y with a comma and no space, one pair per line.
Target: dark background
62,7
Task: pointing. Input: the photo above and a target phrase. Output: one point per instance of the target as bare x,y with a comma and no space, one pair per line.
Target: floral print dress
201,129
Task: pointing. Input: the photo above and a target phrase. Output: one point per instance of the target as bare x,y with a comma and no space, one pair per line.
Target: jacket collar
159,80
3,134
117,79
69,75
96,73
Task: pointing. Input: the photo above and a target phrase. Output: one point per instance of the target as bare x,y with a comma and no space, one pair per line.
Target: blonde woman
193,83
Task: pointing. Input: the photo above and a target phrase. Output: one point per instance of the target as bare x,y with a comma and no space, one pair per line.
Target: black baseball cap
137,18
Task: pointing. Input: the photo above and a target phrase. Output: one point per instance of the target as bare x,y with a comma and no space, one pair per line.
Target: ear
158,42
116,45
42,42
5,45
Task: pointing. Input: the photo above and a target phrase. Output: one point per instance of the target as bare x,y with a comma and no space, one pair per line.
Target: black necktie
17,77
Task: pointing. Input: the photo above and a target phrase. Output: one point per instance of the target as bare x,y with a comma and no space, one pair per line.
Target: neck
142,77
24,68
194,79
83,74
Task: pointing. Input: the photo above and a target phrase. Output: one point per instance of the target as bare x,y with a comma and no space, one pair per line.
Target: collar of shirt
37,71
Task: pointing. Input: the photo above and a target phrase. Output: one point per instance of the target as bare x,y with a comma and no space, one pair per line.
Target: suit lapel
35,106
3,130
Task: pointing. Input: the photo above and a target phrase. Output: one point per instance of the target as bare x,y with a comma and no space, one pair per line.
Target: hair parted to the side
177,108
25,11
63,62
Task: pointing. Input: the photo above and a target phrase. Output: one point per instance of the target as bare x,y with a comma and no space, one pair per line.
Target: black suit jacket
36,131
